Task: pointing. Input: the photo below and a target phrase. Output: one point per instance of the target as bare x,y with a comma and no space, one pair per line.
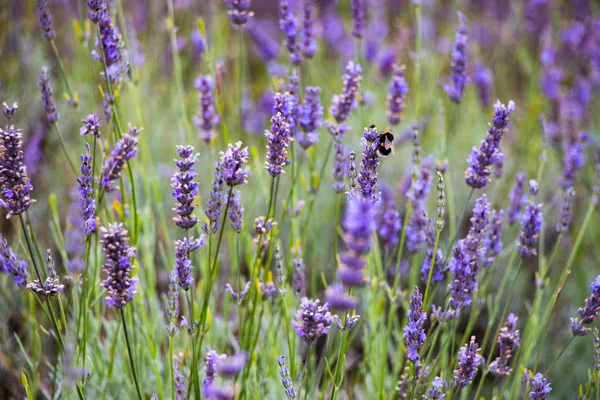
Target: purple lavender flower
468,361
531,224
215,201
74,245
312,320
481,160
280,272
339,162
211,359
389,225
484,79
86,193
396,96
310,117
291,109
207,117
508,342
91,125
289,26
414,334
517,198
435,392
492,245
307,34
125,149
417,224
183,266
230,366
233,163
338,299
264,44
47,96
9,264
172,309
437,275
107,106
359,227
566,211
286,380
539,388
299,277
239,11
367,176
185,189
110,43
464,264
45,19
180,385
278,136
236,211
15,186
459,62
573,161
118,253
358,18
587,314
51,285
345,102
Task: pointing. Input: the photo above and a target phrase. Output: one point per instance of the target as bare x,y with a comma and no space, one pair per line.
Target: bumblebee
386,144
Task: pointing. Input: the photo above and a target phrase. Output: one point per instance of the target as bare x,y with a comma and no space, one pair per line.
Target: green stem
559,355
64,148
61,69
131,363
460,220
433,256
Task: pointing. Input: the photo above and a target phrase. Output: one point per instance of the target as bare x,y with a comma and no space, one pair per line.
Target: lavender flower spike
207,117
481,160
531,225
91,125
172,309
45,19
310,117
587,314
367,176
236,211
492,245
468,361
9,264
286,380
118,253
185,189
517,198
312,320
278,136
359,226
540,388
566,211
47,97
307,34
110,43
289,26
344,103
125,149
396,96
86,193
183,264
358,18
436,390
508,342
459,62
15,186
233,164
239,11
414,334
339,164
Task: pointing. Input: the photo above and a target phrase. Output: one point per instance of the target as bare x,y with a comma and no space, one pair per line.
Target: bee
386,144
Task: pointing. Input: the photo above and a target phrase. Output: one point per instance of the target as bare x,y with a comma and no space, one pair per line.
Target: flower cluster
183,264
367,176
414,334
45,19
239,11
468,361
359,226
540,388
9,264
508,342
489,154
517,198
286,380
396,96
358,18
125,149
587,314
118,253
86,193
48,97
312,320
492,245
459,62
207,117
278,137
185,189
344,103
310,117
15,186
91,125
531,225
307,33
339,159
289,26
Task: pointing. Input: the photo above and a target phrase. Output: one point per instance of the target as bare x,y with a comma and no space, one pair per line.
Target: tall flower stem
64,148
171,368
460,220
131,363
240,32
194,378
435,248
559,355
502,318
61,69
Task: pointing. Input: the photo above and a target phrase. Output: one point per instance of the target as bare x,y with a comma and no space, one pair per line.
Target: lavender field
299,199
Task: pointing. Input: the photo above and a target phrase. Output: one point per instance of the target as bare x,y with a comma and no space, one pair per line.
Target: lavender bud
280,271
310,116
9,264
307,34
358,18
185,189
517,198
345,102
86,193
236,211
182,260
125,149
299,277
278,136
396,96
286,380
459,62
531,224
539,388
587,314
91,125
566,211
339,164
207,117
337,298
239,11
47,97
118,253
289,26
534,187
508,342
45,19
